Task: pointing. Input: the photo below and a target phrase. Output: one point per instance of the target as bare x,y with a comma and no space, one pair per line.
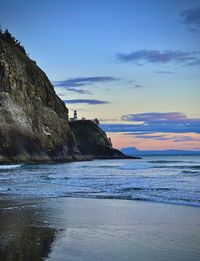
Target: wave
196,167
55,176
177,201
151,164
190,172
142,188
10,166
110,167
165,161
101,166
136,166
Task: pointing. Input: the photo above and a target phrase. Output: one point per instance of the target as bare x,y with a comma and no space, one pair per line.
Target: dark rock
93,142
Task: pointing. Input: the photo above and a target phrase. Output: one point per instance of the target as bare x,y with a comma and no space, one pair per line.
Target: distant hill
132,151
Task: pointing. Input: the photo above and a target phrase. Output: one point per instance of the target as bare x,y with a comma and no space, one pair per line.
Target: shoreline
4,198
88,229
85,158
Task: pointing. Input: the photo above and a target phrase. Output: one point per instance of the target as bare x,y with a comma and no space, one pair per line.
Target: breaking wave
10,166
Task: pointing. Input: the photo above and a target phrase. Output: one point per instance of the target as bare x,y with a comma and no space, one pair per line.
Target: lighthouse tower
75,115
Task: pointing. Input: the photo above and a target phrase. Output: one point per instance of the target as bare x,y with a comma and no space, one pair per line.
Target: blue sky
113,58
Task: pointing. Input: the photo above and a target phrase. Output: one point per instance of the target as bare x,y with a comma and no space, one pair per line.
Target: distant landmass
132,151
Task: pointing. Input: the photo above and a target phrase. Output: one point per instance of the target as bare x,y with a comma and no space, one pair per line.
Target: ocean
169,179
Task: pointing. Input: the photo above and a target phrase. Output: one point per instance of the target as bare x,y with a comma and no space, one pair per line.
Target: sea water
170,179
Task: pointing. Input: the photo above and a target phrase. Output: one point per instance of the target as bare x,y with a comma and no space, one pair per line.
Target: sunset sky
133,64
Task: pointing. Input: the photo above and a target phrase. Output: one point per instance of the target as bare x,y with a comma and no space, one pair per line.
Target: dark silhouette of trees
7,36
96,121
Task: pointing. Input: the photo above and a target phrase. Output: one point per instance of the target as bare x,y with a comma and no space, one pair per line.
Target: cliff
33,119
93,142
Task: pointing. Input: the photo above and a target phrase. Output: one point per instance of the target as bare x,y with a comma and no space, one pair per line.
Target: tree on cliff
96,121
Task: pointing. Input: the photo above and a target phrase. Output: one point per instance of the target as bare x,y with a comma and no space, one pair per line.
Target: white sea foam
10,166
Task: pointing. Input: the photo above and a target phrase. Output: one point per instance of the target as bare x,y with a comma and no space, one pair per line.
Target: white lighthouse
75,115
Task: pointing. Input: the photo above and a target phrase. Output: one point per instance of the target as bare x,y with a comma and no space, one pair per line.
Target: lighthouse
75,115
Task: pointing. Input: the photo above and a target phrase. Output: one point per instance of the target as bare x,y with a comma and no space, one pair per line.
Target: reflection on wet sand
23,234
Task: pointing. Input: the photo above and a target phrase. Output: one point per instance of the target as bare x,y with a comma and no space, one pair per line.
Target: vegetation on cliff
7,36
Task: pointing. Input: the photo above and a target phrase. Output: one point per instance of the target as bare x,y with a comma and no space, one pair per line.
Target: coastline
82,158
88,229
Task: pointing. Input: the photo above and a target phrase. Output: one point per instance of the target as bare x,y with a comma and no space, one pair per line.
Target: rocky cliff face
93,142
33,120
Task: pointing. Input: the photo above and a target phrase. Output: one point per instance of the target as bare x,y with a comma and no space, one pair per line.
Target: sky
133,64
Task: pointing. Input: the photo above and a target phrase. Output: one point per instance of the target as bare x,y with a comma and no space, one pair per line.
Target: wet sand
64,229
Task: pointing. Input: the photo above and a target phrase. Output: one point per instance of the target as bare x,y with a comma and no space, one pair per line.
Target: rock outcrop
93,142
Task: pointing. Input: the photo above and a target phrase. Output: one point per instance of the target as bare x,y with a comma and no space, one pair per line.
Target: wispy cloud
81,91
178,137
165,72
84,81
146,123
191,18
160,57
86,101
150,117
150,136
138,86
196,62
184,138
174,138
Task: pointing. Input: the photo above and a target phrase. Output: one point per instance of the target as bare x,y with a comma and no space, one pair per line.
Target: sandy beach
95,229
